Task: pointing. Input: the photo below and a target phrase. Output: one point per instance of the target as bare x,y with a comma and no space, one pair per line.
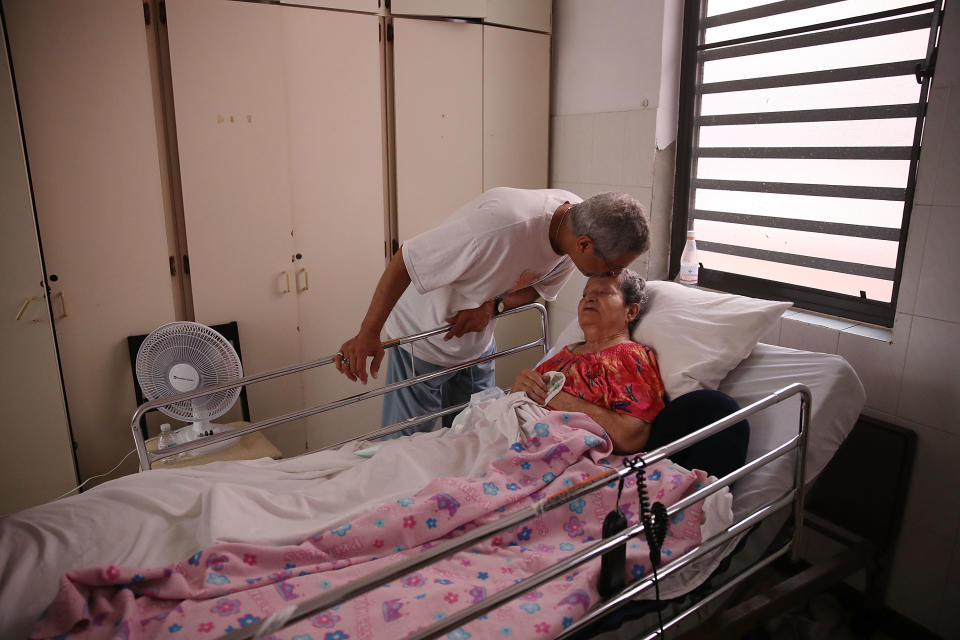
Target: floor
839,615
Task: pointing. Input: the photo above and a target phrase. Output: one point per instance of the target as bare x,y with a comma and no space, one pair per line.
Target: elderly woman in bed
616,381
609,377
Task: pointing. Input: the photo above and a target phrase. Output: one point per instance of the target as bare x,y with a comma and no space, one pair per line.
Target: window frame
855,308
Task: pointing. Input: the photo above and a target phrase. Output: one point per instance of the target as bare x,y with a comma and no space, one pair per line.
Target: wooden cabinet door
333,71
233,130
36,461
516,147
86,99
438,97
516,108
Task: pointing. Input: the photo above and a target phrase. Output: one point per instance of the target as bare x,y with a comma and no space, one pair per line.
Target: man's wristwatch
498,306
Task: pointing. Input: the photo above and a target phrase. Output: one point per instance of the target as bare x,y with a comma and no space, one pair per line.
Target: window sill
871,331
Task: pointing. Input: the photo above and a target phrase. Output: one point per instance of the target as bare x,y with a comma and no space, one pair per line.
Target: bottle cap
689,233
165,426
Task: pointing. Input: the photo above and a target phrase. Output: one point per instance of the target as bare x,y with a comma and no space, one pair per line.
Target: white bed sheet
161,516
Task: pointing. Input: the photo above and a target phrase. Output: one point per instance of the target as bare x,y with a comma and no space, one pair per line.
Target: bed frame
731,623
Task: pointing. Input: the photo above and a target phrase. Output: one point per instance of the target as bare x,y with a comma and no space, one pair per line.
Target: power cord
654,518
98,476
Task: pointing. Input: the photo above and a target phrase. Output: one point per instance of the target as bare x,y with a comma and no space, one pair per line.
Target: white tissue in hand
555,382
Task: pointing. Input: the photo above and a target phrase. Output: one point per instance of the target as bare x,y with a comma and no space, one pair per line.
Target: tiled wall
911,375
596,152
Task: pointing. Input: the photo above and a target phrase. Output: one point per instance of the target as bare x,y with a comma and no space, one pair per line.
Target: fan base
199,430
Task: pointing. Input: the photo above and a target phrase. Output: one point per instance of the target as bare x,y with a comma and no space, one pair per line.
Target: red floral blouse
624,378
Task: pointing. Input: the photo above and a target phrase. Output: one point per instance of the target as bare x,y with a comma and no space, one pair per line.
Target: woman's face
602,306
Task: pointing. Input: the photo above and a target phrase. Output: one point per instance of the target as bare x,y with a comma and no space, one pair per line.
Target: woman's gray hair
634,290
616,222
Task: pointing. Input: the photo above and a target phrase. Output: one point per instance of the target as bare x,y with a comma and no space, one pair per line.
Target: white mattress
838,399
158,517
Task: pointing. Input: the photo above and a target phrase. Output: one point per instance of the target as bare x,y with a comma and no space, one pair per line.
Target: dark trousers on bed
719,454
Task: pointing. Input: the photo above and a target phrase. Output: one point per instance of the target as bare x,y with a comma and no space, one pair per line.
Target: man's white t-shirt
496,244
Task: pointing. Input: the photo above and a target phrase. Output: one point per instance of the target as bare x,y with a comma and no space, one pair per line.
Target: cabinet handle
286,278
63,303
23,307
306,280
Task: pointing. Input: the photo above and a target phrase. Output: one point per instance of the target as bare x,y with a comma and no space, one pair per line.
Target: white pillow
699,336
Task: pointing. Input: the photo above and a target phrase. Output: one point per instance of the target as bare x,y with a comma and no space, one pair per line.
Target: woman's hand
531,382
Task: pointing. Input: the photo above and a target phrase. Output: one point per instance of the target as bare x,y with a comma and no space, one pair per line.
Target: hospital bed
794,400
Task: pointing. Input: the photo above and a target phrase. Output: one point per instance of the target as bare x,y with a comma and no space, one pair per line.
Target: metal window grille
800,130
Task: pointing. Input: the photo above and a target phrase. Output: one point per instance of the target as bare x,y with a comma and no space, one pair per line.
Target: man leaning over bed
504,249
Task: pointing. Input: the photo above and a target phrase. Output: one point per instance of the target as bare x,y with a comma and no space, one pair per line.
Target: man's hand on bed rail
469,320
351,360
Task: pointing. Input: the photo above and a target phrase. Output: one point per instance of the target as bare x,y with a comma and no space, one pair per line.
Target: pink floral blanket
228,586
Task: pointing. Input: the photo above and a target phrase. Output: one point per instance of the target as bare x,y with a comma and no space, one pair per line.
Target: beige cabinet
472,112
35,431
438,98
281,148
227,62
87,108
279,128
516,108
516,147
338,169
533,15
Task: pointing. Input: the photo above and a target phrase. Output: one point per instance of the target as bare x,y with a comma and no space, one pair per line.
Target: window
800,128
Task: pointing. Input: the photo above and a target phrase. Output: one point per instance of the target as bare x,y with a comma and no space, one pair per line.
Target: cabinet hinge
173,266
163,12
186,265
146,13
390,32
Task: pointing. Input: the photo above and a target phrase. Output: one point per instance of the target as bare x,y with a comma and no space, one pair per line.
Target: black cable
654,519
611,580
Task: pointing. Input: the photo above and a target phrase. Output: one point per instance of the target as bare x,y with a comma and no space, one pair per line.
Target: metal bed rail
445,549
147,458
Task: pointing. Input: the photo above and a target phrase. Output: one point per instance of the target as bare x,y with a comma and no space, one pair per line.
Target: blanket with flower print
229,586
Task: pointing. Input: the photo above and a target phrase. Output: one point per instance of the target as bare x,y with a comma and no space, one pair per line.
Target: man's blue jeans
432,395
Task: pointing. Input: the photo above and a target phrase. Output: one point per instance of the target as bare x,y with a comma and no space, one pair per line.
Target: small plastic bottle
689,265
167,439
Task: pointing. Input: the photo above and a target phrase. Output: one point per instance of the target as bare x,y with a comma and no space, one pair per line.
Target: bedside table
247,447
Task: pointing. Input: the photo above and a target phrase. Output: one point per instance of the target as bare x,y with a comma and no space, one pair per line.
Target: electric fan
183,356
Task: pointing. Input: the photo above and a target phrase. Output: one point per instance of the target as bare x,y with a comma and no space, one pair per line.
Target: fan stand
201,428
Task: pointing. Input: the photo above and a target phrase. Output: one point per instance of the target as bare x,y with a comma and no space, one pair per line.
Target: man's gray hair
616,222
634,290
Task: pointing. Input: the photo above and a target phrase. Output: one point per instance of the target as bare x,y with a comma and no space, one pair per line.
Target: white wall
604,139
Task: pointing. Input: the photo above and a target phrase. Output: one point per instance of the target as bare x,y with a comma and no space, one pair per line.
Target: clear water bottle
689,265
167,439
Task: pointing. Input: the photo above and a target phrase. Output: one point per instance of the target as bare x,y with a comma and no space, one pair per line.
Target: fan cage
200,347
